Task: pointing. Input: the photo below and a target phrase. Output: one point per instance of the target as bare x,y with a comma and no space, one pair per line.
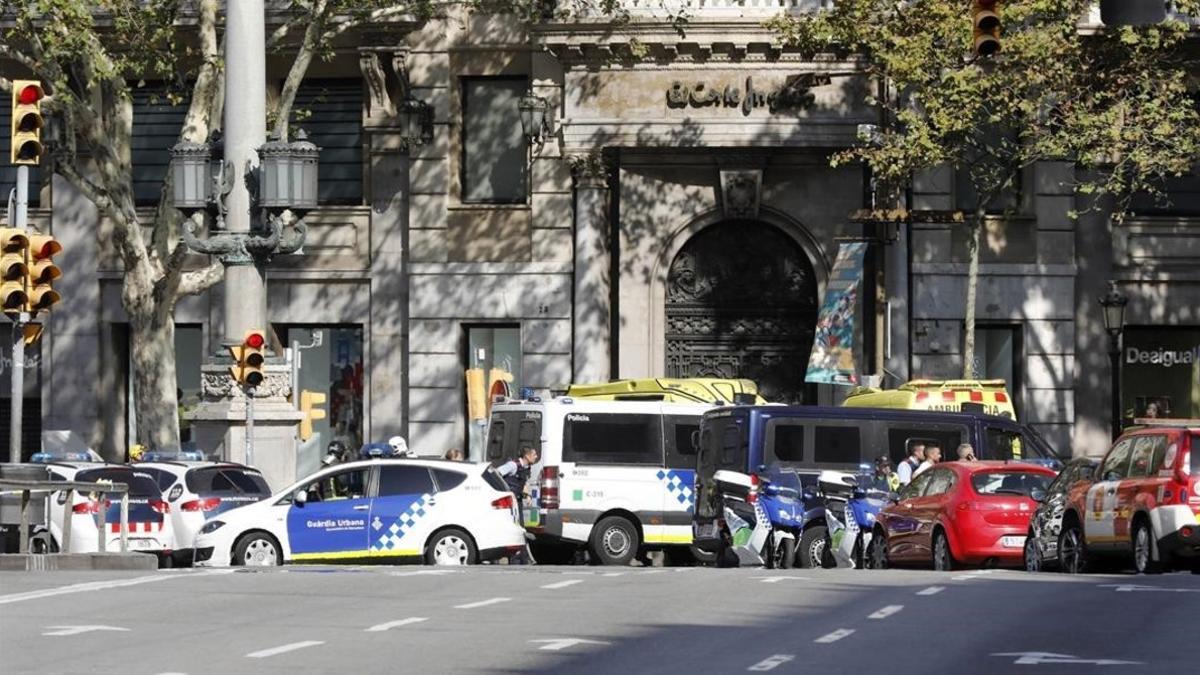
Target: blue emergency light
374,450
172,456
76,456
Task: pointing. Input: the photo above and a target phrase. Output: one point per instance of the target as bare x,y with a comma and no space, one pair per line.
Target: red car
1144,503
961,513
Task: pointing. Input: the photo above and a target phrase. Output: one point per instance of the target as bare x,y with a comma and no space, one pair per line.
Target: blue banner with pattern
832,359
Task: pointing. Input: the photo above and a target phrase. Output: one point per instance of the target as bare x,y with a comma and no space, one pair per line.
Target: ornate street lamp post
535,123
1114,322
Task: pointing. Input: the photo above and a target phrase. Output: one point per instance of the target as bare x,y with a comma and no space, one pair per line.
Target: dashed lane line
775,580
772,662
835,636
932,590
380,627
283,649
563,584
482,603
613,574
98,586
886,612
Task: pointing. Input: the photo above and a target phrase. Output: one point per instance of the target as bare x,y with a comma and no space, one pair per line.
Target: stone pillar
219,422
387,335
592,331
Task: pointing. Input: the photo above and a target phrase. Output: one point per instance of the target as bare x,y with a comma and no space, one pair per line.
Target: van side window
787,442
495,443
603,438
899,440
680,452
1002,444
529,433
836,445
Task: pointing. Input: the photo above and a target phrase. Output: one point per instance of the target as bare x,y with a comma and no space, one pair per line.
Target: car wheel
1143,550
813,547
257,549
943,559
614,541
1072,552
877,551
1033,559
450,547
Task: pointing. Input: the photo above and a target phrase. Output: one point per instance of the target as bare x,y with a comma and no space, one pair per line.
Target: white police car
198,490
149,527
446,513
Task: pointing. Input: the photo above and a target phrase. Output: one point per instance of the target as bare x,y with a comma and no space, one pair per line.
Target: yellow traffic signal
310,402
42,272
249,359
985,19
27,122
12,269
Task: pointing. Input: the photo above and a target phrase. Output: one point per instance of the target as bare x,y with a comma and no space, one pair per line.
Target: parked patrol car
446,513
613,475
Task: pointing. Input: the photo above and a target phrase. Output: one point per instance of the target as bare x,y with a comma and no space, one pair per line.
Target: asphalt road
593,620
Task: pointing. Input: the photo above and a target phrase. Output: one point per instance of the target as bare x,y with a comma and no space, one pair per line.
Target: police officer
335,453
515,473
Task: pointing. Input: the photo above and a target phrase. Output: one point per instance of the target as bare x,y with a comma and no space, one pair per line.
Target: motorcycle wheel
784,555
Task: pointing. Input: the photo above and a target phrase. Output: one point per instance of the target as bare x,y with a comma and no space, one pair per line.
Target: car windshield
1009,483
141,484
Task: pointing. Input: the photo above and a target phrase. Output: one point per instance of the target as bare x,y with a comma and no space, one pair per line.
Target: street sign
1050,658
559,644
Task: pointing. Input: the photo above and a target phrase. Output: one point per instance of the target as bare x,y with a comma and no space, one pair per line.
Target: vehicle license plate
1012,542
137,544
704,531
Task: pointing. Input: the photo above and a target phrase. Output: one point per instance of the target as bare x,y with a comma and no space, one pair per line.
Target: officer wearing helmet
400,447
335,453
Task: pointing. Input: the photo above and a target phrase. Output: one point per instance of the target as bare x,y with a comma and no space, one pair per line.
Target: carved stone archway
741,301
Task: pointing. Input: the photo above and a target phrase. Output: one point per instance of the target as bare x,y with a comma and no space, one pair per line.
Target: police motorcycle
852,503
764,516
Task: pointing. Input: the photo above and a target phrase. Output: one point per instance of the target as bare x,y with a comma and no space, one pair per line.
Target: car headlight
212,526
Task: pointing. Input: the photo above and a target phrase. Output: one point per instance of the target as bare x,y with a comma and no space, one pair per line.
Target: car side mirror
300,498
1037,495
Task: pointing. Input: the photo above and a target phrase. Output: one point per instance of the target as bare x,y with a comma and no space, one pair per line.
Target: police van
614,476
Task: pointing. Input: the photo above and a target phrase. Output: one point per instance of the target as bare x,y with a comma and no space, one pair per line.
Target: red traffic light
30,94
255,340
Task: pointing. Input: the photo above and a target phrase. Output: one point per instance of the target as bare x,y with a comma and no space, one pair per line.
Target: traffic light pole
17,369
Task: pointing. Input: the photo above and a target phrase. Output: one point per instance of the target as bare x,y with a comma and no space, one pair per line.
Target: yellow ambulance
676,390
986,396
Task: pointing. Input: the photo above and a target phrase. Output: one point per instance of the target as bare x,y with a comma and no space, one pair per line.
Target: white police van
614,476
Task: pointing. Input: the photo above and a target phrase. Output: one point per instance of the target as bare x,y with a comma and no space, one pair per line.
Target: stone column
592,331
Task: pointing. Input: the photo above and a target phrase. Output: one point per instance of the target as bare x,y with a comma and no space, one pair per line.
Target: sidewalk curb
74,562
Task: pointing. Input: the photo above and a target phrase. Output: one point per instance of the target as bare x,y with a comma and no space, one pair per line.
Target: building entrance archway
741,302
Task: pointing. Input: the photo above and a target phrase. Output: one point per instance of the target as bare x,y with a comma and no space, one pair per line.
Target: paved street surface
593,620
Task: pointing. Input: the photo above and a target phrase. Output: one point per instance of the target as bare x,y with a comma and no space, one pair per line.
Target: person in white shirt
916,455
933,455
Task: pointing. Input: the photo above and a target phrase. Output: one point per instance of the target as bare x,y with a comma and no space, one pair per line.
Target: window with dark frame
836,445
604,438
157,124
404,480
787,442
494,149
681,453
330,112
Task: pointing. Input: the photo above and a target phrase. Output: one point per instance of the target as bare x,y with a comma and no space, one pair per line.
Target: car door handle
362,507
430,502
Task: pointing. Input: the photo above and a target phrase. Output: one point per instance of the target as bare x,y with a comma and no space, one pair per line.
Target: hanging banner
832,359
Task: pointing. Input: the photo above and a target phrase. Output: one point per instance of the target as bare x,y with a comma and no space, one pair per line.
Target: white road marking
1040,658
283,649
76,630
1130,588
395,624
482,603
775,580
886,612
85,587
612,574
932,590
563,584
964,577
835,636
772,662
424,573
559,644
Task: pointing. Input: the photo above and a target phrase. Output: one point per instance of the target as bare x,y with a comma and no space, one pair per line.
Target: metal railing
26,488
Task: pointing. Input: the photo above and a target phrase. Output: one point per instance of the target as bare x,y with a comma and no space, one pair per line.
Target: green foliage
1119,102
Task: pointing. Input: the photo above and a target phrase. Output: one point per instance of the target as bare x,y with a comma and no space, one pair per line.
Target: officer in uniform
516,473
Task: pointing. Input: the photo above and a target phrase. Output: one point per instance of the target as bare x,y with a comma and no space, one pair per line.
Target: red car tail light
86,507
755,483
548,488
1186,531
504,503
195,505
159,506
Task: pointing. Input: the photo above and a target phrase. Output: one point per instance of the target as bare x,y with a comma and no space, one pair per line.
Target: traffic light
985,18
13,243
310,402
41,272
27,122
249,358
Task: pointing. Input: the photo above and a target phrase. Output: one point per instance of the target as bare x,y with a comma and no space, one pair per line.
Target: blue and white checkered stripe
392,534
680,485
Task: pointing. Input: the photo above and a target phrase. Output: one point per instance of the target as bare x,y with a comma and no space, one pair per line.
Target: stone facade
653,142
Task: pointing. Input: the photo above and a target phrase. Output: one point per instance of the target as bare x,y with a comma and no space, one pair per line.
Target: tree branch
198,281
